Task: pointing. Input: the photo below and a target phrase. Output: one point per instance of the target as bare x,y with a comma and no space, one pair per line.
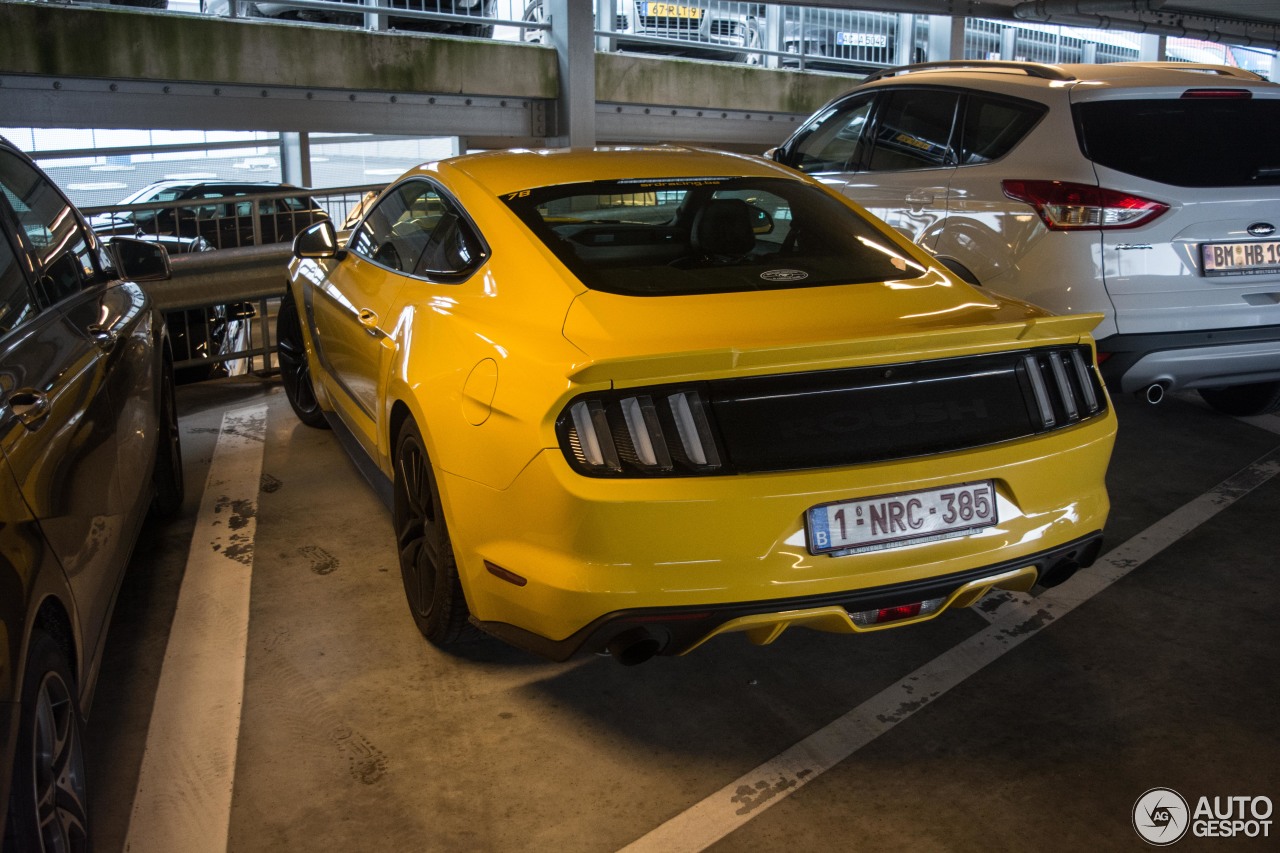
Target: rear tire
1242,401
48,806
427,564
295,365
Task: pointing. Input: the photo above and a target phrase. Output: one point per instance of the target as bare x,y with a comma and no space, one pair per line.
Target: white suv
1149,192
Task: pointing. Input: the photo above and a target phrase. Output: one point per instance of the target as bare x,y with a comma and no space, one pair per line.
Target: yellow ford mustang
630,399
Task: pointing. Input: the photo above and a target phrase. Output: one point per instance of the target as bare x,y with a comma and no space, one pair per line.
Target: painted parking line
183,800
743,799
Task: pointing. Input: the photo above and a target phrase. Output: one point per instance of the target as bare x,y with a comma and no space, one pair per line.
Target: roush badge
784,275
1262,229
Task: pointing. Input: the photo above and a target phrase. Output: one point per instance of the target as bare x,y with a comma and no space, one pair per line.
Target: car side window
913,131
16,302
993,126
417,231
834,140
61,245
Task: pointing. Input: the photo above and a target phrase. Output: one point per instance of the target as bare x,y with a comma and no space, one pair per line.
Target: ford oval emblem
1262,229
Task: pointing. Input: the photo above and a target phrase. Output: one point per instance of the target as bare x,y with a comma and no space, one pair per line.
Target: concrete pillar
773,24
572,35
946,38
1009,43
905,46
295,158
1151,48
606,22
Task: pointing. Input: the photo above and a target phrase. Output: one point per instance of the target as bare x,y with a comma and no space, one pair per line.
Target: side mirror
139,260
318,241
773,154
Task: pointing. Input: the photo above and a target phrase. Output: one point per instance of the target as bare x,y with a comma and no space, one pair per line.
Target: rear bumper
677,630
1186,360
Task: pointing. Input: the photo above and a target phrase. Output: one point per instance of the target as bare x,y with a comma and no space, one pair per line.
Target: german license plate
669,10
1240,258
861,40
888,521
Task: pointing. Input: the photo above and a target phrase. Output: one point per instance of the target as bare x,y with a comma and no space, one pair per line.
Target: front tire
295,367
48,807
427,564
1242,401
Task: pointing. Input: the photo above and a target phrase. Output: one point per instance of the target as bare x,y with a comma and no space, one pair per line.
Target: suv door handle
924,195
104,338
30,407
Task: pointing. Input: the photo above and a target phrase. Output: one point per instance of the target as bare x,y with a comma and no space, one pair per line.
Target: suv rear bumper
1184,360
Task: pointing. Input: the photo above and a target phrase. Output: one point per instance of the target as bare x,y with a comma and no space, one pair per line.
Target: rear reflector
867,618
1065,206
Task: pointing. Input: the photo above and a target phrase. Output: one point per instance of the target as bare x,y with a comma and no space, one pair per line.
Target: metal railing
220,299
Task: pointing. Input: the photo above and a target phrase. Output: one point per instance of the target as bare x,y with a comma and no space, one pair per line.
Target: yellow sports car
626,400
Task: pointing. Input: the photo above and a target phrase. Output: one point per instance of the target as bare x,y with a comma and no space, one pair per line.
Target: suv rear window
681,236
1186,142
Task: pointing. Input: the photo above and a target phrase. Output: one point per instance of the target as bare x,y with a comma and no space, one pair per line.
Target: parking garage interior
292,704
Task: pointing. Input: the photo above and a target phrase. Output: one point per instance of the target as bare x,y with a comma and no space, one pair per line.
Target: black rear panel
843,417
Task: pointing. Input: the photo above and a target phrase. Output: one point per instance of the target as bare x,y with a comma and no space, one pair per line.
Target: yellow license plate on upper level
670,10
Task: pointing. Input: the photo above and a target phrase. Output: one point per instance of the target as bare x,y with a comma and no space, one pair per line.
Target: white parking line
183,801
743,799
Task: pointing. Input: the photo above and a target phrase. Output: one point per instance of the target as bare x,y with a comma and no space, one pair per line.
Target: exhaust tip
633,646
1153,393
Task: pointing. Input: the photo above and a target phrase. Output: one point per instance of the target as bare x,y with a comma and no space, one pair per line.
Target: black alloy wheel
166,476
48,808
295,369
427,565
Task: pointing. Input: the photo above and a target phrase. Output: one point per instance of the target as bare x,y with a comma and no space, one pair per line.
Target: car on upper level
1147,192
707,29
630,399
88,445
213,212
362,15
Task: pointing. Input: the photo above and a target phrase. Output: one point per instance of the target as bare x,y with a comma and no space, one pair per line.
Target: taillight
1064,206
640,433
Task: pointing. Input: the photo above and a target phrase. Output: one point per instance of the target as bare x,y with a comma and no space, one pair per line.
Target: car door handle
105,338
369,320
30,407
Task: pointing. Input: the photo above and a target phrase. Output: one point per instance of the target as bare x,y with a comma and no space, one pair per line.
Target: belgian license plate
669,10
1240,258
907,518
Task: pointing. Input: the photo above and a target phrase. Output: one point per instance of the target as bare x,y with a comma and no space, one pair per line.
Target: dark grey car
88,444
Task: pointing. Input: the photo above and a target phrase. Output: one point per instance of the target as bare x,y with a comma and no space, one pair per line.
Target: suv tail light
1074,207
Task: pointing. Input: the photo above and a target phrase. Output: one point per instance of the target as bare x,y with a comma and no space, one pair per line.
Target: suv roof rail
1223,70
1031,69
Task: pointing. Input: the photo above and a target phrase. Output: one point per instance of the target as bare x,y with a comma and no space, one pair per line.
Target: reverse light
867,618
641,432
1064,206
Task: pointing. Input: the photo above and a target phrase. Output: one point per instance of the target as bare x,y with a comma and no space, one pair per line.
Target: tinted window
51,226
708,235
992,127
1188,142
913,131
417,231
833,141
16,304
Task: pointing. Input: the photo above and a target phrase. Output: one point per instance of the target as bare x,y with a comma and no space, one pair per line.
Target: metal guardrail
219,300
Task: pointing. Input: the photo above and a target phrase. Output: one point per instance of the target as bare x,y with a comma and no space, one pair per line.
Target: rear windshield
1188,142
670,237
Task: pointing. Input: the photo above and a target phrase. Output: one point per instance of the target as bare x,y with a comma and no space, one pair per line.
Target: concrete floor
356,735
